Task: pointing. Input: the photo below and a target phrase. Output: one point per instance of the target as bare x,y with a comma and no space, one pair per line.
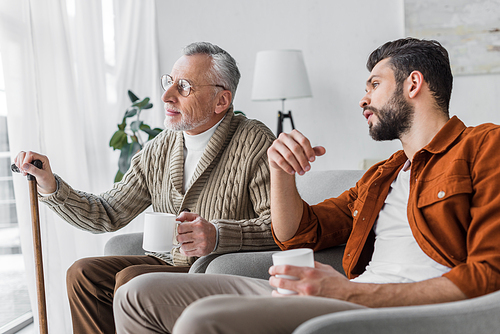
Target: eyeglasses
183,86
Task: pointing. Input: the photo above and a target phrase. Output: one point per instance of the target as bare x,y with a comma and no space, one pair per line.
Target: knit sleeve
250,234
107,212
253,233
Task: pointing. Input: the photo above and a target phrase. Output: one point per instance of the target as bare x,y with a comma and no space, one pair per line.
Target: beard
187,122
394,118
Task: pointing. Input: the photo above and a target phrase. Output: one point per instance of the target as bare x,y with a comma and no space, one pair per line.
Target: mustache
171,107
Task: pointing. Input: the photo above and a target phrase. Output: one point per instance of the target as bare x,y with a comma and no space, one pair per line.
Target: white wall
476,98
336,38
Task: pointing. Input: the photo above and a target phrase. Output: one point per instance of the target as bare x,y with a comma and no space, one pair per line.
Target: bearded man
209,167
421,227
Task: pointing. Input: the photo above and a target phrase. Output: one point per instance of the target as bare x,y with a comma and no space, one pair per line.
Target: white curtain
64,100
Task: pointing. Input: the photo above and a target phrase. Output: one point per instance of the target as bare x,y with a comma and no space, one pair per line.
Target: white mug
300,257
160,232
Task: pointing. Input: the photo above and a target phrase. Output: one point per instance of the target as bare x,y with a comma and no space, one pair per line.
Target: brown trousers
92,282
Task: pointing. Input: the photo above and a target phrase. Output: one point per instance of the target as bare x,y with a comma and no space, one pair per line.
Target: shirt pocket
444,190
444,207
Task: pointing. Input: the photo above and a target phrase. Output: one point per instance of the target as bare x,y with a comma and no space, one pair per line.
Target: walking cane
37,245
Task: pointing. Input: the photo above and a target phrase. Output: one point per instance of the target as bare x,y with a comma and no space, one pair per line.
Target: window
14,299
15,308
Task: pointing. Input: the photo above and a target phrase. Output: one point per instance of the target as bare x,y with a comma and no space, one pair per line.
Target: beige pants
153,303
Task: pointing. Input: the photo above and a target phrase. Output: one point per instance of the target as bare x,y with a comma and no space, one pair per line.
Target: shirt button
185,210
355,213
441,194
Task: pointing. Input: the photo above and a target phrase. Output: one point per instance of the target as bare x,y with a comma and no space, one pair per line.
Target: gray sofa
478,315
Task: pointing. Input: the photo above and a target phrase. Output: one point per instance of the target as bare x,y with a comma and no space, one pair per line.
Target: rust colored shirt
453,208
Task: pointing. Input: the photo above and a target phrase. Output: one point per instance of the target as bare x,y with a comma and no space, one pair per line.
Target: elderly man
421,227
209,167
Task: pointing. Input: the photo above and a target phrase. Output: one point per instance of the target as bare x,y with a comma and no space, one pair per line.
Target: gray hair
224,70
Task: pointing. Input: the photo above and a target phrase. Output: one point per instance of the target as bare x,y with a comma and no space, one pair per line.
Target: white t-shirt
397,258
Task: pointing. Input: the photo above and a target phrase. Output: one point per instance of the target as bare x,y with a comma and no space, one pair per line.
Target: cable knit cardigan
230,188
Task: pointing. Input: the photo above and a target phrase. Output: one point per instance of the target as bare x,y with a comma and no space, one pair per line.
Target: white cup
160,232
300,257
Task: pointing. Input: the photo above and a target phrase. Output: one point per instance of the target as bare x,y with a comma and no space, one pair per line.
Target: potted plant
128,140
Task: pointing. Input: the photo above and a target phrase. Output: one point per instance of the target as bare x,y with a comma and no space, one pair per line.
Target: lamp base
281,117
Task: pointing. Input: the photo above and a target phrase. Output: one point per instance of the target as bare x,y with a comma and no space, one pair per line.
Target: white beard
186,123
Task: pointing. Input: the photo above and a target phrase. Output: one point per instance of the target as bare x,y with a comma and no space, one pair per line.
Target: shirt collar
440,143
446,136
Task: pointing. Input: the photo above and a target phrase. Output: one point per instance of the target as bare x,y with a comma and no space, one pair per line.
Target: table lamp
280,75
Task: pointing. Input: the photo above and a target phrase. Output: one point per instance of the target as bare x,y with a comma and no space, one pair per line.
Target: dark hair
224,69
428,57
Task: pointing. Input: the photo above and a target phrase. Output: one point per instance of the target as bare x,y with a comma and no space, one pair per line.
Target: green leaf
126,155
152,135
118,140
151,132
130,113
123,161
142,103
123,125
118,176
135,126
132,96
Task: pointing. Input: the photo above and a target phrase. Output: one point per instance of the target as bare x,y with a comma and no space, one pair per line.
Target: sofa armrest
256,264
250,264
200,265
125,244
477,315
131,244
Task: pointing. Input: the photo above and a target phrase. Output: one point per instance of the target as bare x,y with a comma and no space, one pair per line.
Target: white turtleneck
194,146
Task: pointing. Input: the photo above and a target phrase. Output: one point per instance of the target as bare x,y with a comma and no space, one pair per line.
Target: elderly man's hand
196,235
45,179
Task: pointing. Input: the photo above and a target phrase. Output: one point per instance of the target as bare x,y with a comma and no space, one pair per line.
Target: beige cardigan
230,188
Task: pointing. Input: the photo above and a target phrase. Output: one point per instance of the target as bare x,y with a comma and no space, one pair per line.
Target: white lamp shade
280,74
